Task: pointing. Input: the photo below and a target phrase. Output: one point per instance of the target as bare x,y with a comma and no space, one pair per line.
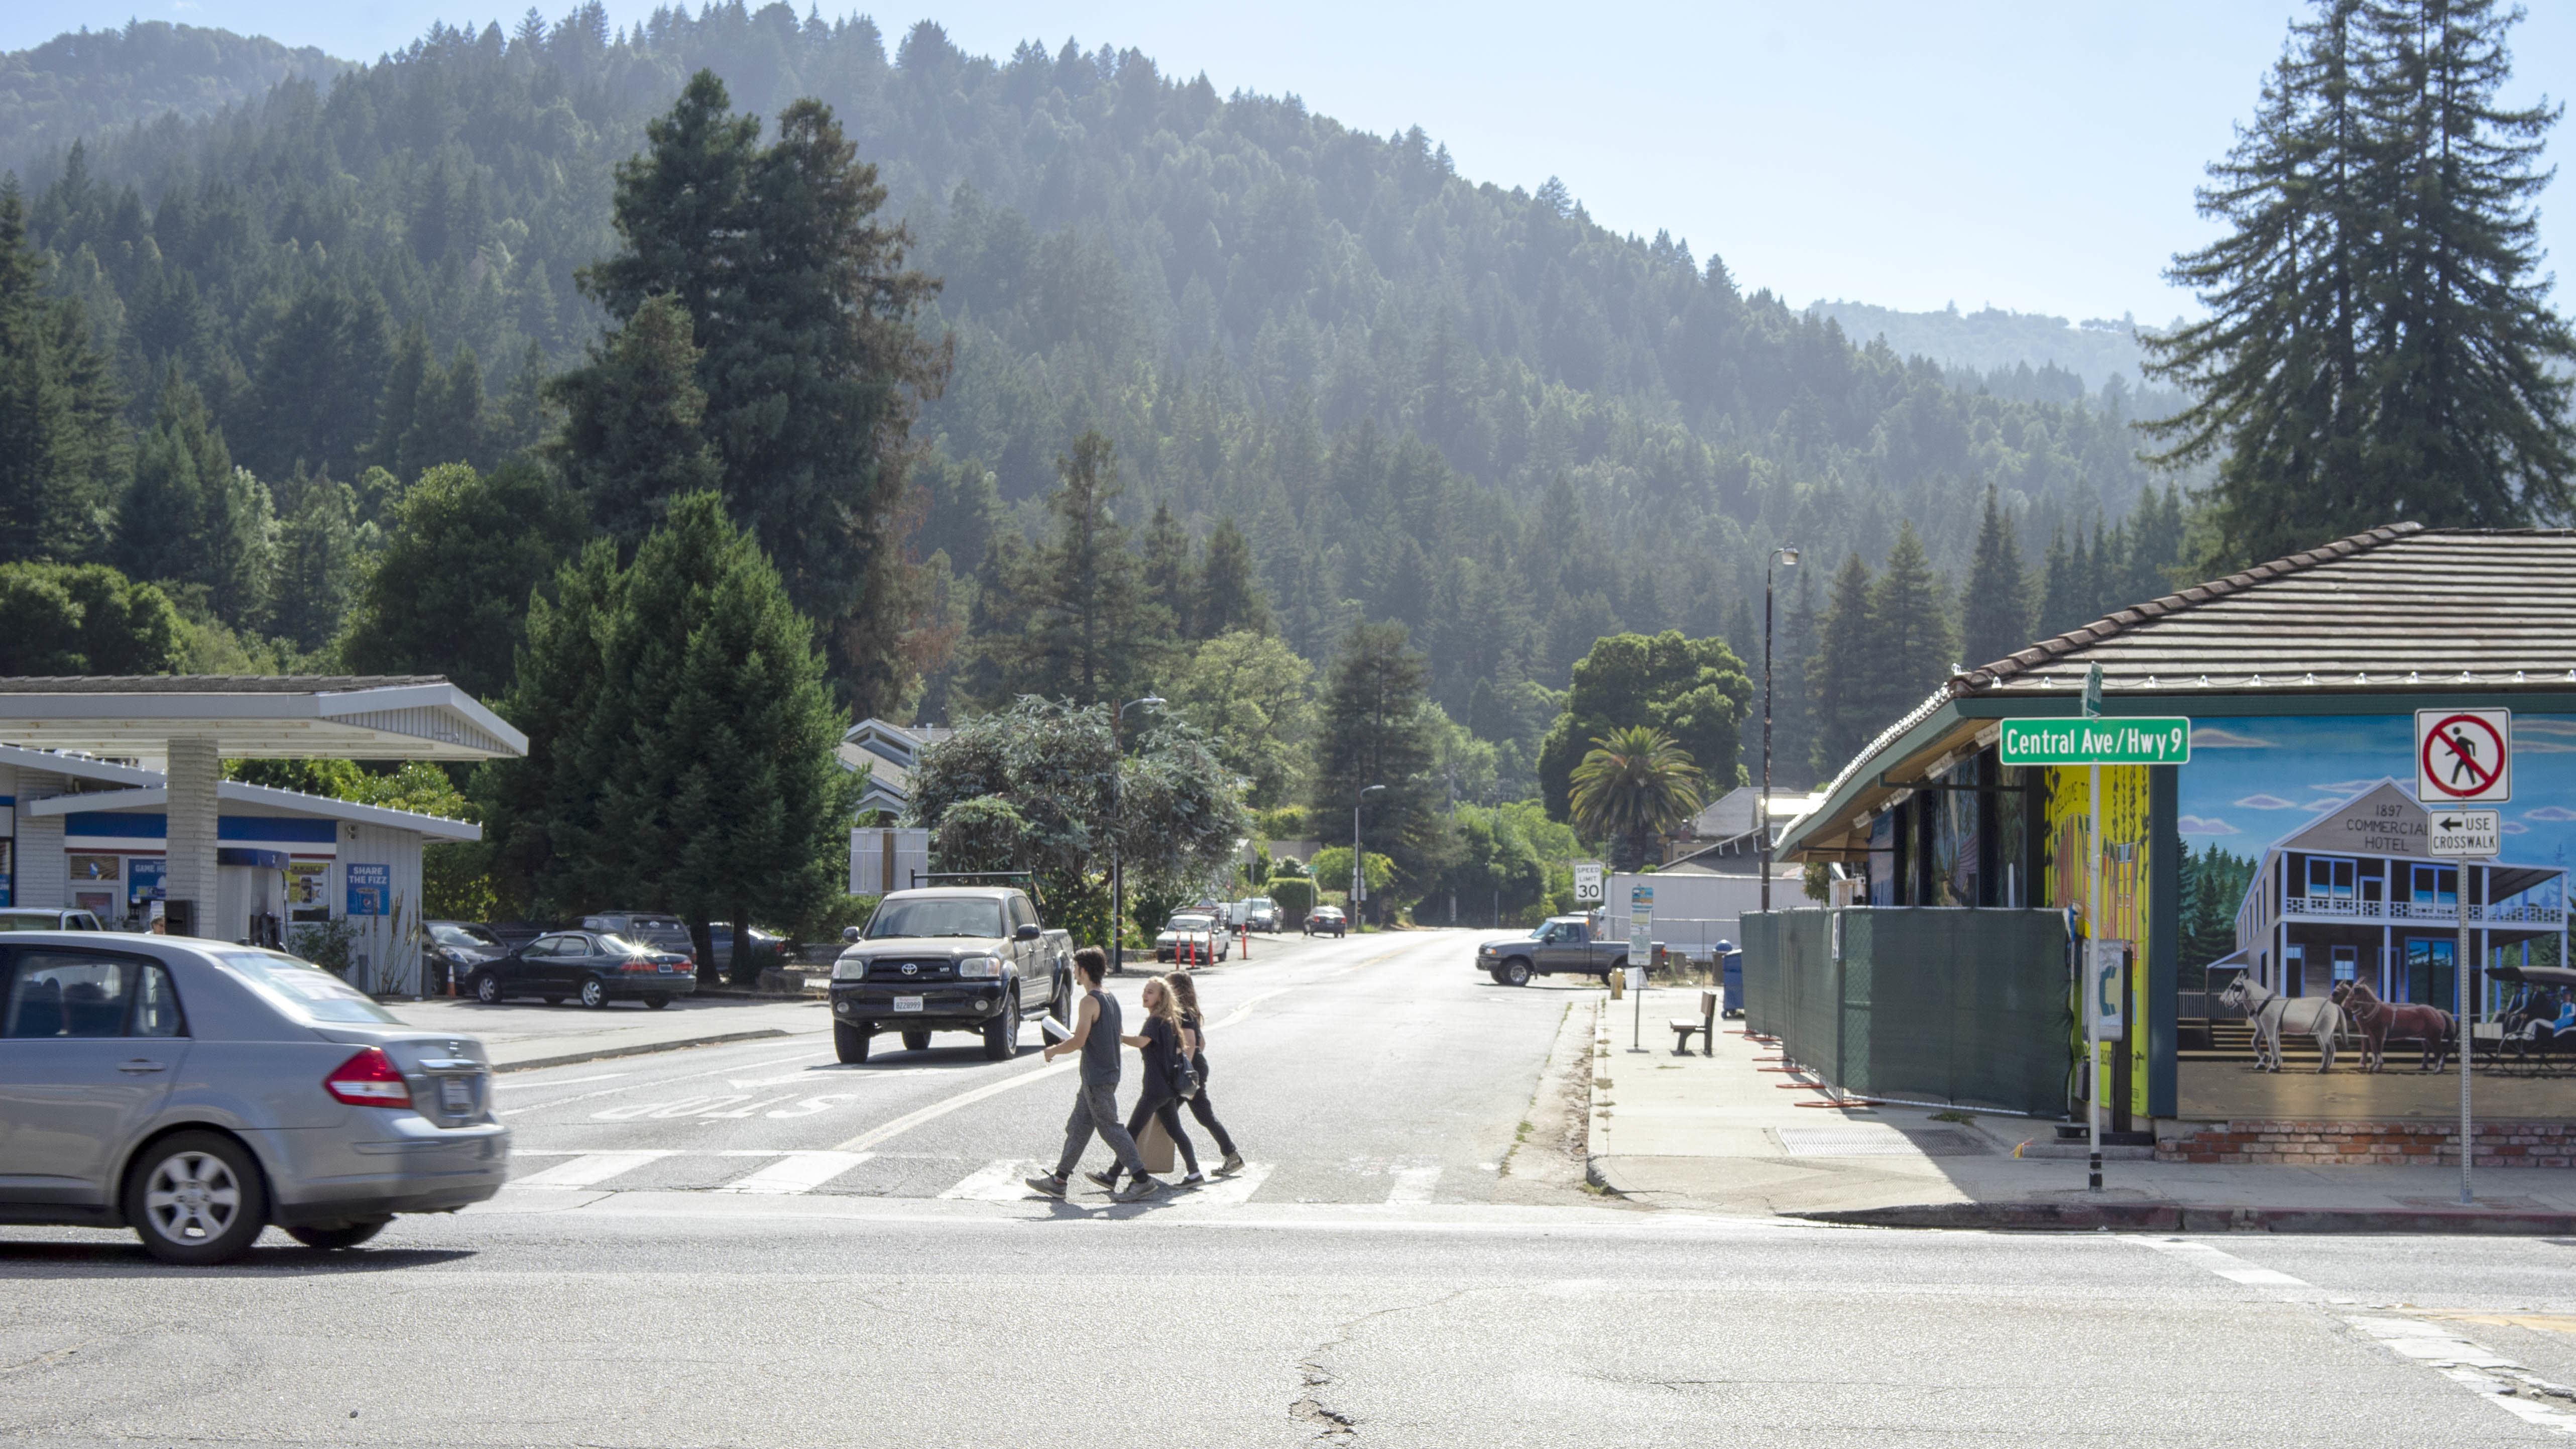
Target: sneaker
1194,1180
1232,1165
1108,1180
1141,1189
1046,1182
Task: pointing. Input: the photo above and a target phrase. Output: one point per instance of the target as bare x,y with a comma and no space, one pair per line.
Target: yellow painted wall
2125,878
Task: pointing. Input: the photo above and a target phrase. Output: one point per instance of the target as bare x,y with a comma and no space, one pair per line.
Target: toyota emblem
911,969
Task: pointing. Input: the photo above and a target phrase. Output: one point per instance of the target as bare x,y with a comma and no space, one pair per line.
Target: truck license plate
455,1094
907,1003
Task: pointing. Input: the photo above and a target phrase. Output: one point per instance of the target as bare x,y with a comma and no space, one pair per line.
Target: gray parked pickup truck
1563,944
953,958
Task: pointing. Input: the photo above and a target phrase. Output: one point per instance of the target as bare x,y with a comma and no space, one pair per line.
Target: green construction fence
1959,1006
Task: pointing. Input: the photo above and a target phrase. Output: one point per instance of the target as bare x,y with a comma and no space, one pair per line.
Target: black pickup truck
1560,945
957,958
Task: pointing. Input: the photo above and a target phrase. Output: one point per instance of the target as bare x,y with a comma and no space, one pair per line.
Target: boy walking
1095,1103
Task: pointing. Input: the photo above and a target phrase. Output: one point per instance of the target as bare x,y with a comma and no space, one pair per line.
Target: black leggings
1167,1110
1206,1114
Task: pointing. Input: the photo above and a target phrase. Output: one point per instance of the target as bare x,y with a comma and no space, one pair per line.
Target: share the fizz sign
2139,741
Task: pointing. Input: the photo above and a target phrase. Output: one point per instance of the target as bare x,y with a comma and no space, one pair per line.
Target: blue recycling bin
1731,978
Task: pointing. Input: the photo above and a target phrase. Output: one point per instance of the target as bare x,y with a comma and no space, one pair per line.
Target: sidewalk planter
1956,1006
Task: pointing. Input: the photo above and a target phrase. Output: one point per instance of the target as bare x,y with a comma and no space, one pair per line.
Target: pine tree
1994,607
2061,600
1071,619
1170,582
541,811
62,451
1911,645
1229,589
1839,676
1793,700
161,521
1373,734
456,590
317,560
632,437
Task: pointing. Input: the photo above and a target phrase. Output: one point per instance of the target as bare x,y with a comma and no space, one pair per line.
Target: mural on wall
2319,937
2126,909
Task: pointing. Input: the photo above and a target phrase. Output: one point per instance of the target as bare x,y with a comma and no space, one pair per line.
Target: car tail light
368,1080
637,963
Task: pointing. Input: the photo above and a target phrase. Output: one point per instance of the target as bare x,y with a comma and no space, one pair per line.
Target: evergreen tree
317,560
1911,645
1170,583
1994,607
452,592
2380,344
1793,699
320,375
2061,600
810,360
1228,598
1846,696
632,436
541,811
1373,733
162,520
1071,619
62,452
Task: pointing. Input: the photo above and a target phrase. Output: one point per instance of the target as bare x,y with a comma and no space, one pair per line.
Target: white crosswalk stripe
796,1172
1413,1184
996,1182
1232,1191
589,1169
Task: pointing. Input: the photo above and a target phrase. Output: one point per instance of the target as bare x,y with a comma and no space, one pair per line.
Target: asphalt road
751,1245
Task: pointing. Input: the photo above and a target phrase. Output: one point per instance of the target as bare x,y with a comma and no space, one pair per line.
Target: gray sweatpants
1095,1109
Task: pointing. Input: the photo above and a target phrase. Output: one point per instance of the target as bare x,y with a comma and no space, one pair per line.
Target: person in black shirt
1095,1103
1195,1024
1166,1047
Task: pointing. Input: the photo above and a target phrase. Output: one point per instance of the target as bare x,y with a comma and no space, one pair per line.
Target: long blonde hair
1188,991
1162,1002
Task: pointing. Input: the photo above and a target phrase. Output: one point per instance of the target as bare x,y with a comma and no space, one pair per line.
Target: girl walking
1195,1025
1166,1049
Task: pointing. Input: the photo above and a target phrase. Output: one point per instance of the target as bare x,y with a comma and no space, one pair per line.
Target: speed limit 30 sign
2464,756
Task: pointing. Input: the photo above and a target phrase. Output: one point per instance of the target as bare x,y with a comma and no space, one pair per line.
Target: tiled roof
209,683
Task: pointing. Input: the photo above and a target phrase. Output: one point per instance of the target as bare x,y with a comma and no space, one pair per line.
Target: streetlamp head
1373,789
1788,557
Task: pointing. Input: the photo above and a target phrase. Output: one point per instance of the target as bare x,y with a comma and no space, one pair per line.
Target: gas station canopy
356,717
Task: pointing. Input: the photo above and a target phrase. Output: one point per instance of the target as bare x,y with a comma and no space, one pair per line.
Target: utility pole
1781,558
1117,809
1359,878
2093,949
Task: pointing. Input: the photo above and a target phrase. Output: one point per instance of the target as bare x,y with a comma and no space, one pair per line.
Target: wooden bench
1705,1025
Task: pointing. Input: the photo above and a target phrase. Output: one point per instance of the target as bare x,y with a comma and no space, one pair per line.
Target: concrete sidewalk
526,1035
1726,1133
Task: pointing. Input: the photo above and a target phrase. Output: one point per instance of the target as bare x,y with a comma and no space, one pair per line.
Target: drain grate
1876,1142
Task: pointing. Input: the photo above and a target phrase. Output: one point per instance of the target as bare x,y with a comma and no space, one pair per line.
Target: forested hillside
92,82
1420,397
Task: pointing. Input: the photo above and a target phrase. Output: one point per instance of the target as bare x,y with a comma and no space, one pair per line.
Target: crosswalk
785,1173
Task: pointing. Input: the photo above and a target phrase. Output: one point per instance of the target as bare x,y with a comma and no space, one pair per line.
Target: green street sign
2141,741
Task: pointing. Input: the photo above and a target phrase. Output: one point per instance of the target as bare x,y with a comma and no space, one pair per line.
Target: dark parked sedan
592,967
198,1092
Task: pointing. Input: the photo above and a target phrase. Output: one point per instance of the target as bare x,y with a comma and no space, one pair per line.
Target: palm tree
1634,786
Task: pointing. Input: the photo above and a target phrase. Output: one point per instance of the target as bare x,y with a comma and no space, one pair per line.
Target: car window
304,989
58,993
156,1003
453,936
935,916
548,946
30,921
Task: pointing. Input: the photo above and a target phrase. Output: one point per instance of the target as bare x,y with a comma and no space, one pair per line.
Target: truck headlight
980,967
850,968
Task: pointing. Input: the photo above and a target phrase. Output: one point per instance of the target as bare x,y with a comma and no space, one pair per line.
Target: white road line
588,1169
935,1110
1413,1184
566,1082
798,1172
996,1182
1241,1013
662,1081
1232,1191
2226,1265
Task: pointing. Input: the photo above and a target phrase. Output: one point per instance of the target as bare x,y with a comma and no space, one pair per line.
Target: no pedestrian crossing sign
2464,756
2146,740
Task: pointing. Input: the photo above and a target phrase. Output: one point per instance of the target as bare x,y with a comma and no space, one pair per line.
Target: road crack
1332,1425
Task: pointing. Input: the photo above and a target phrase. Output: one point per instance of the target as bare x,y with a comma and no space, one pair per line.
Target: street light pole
1118,867
1780,558
1358,880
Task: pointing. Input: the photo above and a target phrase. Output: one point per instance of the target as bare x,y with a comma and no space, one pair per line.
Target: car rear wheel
916,1041
1060,1006
656,1003
196,1198
850,1043
1514,972
1002,1033
487,989
344,1235
594,994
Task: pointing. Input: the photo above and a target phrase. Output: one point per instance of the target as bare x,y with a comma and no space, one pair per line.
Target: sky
2033,156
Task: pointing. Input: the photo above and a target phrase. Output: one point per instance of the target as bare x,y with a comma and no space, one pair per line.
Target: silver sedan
197,1092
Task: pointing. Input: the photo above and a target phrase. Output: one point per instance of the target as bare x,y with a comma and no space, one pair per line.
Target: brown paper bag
1155,1146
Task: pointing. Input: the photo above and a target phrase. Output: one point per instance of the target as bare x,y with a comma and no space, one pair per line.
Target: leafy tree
2379,343
1692,690
1994,607
61,452
1071,618
1249,693
450,593
1633,787
810,358
1373,733
632,438
84,619
1497,876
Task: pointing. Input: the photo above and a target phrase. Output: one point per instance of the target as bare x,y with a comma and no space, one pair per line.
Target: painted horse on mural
2272,1014
2378,1020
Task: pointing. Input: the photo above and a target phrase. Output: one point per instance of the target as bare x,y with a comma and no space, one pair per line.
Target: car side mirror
849,933
1028,931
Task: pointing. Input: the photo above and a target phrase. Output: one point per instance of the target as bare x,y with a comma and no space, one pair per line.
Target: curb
2184,1218
637,1049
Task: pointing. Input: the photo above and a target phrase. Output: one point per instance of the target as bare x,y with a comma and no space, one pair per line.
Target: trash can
1730,959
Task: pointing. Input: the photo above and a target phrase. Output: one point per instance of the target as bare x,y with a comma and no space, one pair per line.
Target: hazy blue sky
2036,156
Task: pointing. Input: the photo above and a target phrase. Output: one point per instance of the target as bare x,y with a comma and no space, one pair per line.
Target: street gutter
637,1049
2049,1217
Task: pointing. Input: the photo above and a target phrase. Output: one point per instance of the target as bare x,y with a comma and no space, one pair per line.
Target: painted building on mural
2290,849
